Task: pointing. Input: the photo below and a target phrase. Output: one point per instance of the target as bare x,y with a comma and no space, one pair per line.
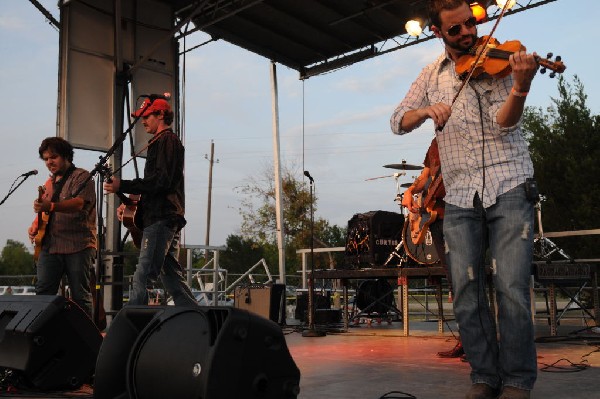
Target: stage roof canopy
316,36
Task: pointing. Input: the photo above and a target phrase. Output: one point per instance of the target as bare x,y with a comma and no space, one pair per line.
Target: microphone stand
312,332
12,190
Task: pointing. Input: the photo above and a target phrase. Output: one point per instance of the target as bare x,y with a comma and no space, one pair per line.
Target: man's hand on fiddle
524,67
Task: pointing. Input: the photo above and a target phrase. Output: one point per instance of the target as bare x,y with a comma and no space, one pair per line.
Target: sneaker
457,351
481,391
514,393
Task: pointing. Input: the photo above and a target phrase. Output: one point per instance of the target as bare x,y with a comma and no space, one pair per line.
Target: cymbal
403,166
406,185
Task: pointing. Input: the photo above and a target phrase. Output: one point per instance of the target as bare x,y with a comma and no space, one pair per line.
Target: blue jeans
77,266
507,356
158,258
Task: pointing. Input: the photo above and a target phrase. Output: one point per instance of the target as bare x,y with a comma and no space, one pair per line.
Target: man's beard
458,46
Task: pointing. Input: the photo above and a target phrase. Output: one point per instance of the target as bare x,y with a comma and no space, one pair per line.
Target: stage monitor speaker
371,237
322,302
194,352
267,301
375,296
48,340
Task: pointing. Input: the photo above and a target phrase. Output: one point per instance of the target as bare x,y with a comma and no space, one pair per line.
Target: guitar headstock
41,191
556,66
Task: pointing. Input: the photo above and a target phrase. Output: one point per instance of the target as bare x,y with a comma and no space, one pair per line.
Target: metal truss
400,42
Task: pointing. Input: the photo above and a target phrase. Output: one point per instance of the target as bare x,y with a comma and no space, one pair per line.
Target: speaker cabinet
322,302
49,340
194,352
371,237
267,301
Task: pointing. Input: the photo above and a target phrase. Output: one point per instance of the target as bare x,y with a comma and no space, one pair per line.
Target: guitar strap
57,187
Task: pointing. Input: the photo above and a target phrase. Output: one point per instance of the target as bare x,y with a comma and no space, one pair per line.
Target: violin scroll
555,66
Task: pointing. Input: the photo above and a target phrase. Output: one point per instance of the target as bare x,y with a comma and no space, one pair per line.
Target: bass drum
424,253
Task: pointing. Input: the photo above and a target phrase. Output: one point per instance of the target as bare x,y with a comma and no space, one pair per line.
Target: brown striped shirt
68,233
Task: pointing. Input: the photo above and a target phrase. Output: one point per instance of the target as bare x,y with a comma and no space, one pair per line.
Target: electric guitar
42,222
420,221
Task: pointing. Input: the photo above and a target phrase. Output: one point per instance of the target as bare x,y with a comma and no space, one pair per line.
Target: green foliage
241,254
16,259
130,261
259,224
564,143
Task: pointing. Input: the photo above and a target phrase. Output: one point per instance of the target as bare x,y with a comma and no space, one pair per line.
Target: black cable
569,368
482,273
404,395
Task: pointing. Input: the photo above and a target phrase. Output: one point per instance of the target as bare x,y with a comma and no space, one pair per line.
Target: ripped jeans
506,356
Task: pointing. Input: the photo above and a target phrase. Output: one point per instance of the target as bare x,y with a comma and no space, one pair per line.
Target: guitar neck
124,199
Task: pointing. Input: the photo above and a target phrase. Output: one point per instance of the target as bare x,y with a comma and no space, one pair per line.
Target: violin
493,59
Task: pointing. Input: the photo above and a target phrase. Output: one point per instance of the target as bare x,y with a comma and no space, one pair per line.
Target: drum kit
407,252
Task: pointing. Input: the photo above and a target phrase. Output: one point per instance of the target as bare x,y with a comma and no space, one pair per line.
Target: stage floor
370,361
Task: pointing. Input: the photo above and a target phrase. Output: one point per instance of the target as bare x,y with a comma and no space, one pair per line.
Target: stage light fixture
511,3
479,12
413,27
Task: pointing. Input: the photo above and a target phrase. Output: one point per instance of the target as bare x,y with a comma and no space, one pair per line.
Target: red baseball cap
157,105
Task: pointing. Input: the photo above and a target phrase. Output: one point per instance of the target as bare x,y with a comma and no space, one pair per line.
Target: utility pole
211,161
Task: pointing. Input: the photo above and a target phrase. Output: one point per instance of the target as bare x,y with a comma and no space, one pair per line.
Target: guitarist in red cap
162,206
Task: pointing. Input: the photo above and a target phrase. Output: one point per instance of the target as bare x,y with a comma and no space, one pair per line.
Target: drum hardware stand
311,332
545,246
543,249
399,253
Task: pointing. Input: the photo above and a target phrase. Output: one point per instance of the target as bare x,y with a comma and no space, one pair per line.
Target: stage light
501,3
479,12
413,27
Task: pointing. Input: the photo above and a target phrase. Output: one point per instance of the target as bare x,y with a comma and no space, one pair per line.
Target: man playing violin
487,172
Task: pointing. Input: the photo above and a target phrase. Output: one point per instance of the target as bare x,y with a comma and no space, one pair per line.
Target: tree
564,143
130,260
241,254
259,220
16,259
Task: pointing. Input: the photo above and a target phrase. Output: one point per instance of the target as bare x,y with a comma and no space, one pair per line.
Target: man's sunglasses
455,29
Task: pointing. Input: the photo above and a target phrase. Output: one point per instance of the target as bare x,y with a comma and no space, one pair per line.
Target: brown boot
457,351
509,392
481,391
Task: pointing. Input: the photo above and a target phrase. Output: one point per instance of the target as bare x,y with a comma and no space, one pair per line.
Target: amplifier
371,237
563,273
267,301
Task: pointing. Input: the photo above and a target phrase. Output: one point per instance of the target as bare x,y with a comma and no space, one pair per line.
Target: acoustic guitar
42,222
132,217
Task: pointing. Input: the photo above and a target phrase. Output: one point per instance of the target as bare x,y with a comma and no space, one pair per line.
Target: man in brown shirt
67,245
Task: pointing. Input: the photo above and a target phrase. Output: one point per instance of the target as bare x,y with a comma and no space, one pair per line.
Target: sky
336,125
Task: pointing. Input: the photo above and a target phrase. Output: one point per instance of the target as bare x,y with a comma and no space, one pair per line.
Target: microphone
309,176
164,96
31,172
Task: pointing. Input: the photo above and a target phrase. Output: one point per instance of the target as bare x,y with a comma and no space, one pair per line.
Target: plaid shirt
492,162
75,231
